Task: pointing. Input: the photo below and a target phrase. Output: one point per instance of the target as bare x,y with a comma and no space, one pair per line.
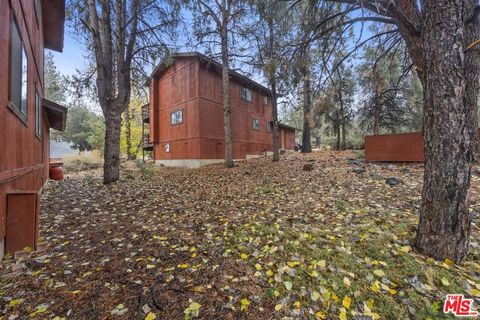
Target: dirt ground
259,241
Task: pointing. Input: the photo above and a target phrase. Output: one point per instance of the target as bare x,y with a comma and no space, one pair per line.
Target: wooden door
22,221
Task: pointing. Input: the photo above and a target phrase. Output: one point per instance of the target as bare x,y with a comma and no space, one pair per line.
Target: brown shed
185,114
26,28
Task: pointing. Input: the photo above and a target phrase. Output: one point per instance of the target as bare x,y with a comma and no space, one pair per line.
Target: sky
72,57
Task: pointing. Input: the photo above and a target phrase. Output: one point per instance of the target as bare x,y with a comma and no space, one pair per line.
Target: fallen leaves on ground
260,241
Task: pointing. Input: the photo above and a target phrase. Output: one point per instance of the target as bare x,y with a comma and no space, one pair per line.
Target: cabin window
269,126
265,100
176,117
255,124
38,115
18,73
246,94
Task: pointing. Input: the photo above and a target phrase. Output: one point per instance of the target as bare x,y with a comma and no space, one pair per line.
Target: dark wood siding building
26,28
186,114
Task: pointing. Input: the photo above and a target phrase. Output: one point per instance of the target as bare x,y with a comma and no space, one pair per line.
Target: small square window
265,100
38,115
269,126
176,117
255,124
245,94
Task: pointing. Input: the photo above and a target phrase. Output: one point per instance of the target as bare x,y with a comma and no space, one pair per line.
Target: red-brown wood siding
406,147
197,89
24,160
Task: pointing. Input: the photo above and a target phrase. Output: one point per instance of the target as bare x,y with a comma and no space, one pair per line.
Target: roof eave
53,21
56,114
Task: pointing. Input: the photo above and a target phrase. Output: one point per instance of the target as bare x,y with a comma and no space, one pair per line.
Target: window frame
257,122
38,115
18,110
269,126
245,97
265,100
171,119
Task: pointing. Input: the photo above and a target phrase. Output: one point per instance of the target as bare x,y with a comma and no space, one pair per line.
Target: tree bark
376,104
273,87
111,165
445,222
227,108
307,109
128,132
275,130
342,119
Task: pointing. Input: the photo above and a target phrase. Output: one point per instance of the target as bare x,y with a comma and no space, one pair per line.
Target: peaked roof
210,63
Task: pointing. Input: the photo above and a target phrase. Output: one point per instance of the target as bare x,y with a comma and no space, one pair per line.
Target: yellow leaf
448,263
315,295
270,273
258,267
405,249
347,301
346,281
278,307
244,303
288,285
15,302
475,292
343,314
379,273
150,266
321,315
445,281
244,256
297,304
183,265
375,287
150,316
322,264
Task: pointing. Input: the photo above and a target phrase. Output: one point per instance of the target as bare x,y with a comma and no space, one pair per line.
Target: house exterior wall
197,89
176,89
24,160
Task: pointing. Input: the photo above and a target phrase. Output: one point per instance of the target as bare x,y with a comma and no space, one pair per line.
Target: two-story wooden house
185,114
26,28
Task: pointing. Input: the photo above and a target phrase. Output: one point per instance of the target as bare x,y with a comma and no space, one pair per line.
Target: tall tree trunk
342,120
111,156
307,109
275,130
227,108
128,132
337,147
376,104
445,222
273,87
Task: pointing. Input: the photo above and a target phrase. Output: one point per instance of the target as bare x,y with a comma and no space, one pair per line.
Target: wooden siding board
404,147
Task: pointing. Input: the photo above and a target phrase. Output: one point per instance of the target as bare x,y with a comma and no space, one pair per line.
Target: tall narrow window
38,115
269,126
255,124
176,117
18,73
265,100
246,94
